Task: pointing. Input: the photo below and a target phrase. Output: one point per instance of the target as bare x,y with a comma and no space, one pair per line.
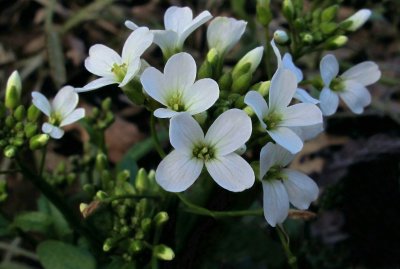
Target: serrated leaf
33,222
58,255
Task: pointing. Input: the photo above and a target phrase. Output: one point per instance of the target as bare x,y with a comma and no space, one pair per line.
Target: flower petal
231,172
329,68
54,131
301,115
202,18
136,43
287,139
201,96
365,73
101,60
287,62
272,154
180,72
229,131
178,171
308,132
328,102
154,85
95,84
74,116
41,102
65,101
185,133
300,188
304,97
355,96
177,18
131,25
283,87
277,53
258,104
276,202
167,40
133,70
164,113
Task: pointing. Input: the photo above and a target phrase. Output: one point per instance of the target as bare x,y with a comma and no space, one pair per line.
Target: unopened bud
212,56
20,113
134,91
30,129
264,88
328,27
252,58
357,20
160,218
307,39
288,9
106,104
101,161
124,175
38,141
33,113
328,14
225,81
336,42
205,70
101,195
242,83
163,252
136,246
13,91
264,14
141,181
10,151
281,37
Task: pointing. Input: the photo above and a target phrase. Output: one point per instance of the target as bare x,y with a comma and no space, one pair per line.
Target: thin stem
9,171
195,209
268,52
155,137
43,160
292,260
129,196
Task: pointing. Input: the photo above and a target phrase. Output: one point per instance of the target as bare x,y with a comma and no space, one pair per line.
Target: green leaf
58,255
33,221
4,226
119,263
56,58
13,265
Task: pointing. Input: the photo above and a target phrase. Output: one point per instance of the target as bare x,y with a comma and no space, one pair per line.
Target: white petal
277,54
358,19
276,202
136,43
178,171
65,101
305,97
154,85
253,58
74,116
101,60
231,172
283,87
329,101
301,189
133,70
287,139
52,130
185,133
97,83
365,73
301,115
329,68
180,71
288,63
258,104
177,18
201,96
164,113
41,102
167,40
272,154
202,18
355,96
308,132
131,25
229,131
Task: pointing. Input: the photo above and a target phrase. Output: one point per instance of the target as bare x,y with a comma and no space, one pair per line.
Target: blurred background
356,162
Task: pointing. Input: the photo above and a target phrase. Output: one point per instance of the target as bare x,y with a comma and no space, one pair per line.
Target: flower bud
288,9
10,151
108,244
225,81
13,90
160,218
101,195
205,70
20,113
163,252
141,181
145,224
252,58
136,246
329,13
201,117
264,15
357,20
38,141
134,91
336,42
328,27
242,149
307,39
242,83
33,113
18,141
106,104
124,175
281,37
10,121
101,162
264,88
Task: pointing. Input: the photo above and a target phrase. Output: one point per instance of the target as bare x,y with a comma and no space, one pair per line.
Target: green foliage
33,222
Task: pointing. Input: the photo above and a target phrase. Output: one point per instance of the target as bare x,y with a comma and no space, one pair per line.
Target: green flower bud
10,121
163,252
264,88
124,175
205,70
89,188
241,69
242,83
201,117
336,42
136,246
19,126
20,113
134,91
213,57
13,91
18,141
288,9
328,27
264,14
307,39
95,113
101,161
108,244
106,104
328,14
141,181
160,218
38,141
281,37
101,195
145,224
10,151
225,82
83,207
33,113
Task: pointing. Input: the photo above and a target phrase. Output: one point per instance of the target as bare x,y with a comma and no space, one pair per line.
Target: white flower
253,58
276,117
112,68
283,185
62,110
350,86
223,33
179,24
192,150
287,63
176,88
358,19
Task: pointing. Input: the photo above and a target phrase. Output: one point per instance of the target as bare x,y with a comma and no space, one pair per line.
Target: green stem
195,209
43,160
9,171
268,52
292,260
155,137
128,196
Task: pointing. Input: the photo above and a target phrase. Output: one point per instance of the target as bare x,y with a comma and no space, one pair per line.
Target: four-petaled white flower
350,86
177,89
179,24
216,150
223,33
111,67
283,185
279,119
62,110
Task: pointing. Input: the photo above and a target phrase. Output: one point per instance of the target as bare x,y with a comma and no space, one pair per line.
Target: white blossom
216,150
223,33
60,112
277,117
358,19
176,87
350,86
179,24
113,68
253,58
283,185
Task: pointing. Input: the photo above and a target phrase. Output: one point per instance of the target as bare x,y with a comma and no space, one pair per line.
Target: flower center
119,71
337,85
175,102
272,120
203,152
275,173
55,119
